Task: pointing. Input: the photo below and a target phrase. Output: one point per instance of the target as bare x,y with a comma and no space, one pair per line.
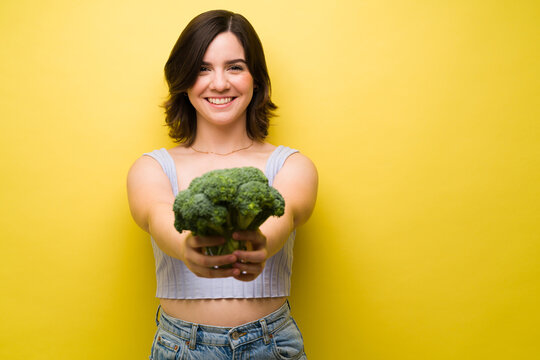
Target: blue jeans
275,336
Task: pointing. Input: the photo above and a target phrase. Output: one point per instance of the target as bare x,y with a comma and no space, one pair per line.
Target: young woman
218,111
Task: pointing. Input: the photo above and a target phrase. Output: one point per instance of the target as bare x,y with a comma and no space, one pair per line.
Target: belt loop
157,314
266,335
193,338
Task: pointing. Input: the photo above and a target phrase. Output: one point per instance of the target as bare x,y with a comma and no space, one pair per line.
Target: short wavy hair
183,66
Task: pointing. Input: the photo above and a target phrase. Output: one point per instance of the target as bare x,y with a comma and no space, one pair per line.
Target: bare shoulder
144,169
179,150
298,181
147,185
298,165
265,147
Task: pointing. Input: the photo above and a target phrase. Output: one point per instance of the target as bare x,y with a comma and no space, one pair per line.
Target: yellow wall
423,119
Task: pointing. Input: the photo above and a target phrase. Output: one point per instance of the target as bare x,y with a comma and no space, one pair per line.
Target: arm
297,181
151,201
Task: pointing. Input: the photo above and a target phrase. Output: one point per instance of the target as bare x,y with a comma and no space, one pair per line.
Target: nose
219,82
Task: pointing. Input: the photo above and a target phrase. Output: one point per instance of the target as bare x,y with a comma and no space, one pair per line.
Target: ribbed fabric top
176,281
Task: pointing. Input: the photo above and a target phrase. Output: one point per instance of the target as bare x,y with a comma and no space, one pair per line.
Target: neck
218,140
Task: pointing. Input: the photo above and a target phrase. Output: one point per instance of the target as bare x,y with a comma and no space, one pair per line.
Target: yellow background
423,120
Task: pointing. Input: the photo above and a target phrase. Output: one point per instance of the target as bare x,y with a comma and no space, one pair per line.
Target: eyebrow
228,62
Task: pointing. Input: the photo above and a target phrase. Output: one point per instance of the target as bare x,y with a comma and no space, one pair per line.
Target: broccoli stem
244,221
228,248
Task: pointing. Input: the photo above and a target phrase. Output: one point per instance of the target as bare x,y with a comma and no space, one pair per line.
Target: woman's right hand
205,265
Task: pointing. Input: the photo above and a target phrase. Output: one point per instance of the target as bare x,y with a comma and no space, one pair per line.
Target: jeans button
235,335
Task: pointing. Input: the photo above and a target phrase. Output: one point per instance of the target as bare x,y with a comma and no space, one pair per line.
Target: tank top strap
276,161
166,161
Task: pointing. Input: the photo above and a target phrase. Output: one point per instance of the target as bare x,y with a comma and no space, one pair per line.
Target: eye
204,68
236,67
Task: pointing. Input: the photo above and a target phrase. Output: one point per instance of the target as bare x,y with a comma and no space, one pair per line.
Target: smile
220,101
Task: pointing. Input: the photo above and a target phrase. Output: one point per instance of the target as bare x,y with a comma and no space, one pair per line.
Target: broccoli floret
222,201
217,185
255,202
197,212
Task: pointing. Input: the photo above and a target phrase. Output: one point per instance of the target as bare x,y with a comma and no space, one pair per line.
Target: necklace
221,154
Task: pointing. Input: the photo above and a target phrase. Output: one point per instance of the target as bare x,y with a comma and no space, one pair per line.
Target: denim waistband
195,334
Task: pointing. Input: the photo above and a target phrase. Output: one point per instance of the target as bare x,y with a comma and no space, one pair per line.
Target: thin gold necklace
221,154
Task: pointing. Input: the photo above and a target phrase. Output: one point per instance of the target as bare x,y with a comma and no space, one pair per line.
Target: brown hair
183,66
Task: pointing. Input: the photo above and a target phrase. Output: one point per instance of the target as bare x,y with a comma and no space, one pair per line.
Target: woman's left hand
250,262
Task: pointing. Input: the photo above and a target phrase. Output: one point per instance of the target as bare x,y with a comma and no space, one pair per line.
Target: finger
246,277
249,268
199,259
254,239
206,272
256,256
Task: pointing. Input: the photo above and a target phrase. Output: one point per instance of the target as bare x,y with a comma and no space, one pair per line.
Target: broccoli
223,201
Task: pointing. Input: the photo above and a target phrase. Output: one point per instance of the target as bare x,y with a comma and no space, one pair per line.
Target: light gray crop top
176,281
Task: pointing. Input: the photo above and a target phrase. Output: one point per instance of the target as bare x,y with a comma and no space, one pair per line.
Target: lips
220,100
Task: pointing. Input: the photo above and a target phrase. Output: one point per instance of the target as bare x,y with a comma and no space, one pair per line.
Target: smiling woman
187,63
218,111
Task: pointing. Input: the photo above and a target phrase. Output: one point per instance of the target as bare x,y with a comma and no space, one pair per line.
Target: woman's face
224,86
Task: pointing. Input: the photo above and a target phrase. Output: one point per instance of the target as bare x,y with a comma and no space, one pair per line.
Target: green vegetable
223,201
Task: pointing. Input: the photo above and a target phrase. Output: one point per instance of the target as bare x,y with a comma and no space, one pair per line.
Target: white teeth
220,101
